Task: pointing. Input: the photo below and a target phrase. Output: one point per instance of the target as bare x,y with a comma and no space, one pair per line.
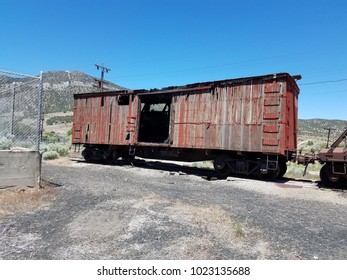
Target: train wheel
328,178
220,164
268,175
282,165
110,157
87,155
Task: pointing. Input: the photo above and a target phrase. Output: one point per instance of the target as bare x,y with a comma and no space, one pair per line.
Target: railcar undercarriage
264,167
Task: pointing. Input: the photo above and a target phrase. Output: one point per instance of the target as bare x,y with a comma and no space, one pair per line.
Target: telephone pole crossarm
103,70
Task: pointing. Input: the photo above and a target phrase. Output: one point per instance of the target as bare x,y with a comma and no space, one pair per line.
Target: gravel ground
156,211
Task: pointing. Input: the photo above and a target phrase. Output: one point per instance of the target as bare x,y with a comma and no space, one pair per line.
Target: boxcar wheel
269,175
282,165
221,165
87,155
328,178
110,157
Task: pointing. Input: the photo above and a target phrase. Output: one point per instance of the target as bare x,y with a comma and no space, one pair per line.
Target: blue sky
158,43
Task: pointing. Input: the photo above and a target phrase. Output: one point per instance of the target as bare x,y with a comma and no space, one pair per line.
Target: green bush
50,155
60,149
59,119
63,151
50,136
5,142
295,169
69,132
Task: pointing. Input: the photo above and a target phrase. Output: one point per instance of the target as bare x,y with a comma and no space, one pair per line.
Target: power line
324,82
210,67
325,92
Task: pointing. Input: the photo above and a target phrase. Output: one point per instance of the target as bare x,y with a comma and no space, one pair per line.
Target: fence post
21,102
13,107
39,114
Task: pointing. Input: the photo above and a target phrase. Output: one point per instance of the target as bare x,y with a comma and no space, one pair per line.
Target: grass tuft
239,229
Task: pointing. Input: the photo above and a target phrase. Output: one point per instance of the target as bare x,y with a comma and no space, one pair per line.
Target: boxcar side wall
246,125
105,120
257,116
252,116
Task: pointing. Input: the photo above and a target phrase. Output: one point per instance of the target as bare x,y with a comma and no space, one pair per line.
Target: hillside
318,127
59,87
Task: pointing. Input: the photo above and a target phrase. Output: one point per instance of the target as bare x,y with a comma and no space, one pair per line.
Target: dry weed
215,220
21,199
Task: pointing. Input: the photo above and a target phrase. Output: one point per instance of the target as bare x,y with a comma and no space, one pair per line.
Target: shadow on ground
204,173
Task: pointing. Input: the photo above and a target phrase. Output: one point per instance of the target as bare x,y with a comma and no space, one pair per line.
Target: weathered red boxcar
246,125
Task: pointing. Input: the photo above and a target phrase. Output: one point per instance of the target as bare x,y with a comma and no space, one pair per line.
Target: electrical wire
324,82
325,92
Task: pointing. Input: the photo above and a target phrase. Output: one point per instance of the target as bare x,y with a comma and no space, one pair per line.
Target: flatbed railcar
333,173
246,126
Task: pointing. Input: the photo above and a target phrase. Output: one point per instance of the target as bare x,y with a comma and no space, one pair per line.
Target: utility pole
329,132
103,70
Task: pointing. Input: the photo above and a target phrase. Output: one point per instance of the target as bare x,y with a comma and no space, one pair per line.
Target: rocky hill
59,87
318,127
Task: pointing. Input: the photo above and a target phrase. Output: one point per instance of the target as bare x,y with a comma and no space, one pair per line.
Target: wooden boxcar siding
292,116
242,117
97,124
118,122
255,115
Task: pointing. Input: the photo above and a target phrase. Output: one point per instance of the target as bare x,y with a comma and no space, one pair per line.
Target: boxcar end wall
247,125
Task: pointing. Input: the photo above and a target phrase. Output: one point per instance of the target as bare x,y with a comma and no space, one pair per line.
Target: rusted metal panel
337,152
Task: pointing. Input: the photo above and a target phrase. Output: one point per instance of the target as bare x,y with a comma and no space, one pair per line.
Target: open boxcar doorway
154,125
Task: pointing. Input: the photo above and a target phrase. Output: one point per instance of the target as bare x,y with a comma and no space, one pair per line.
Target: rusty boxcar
245,125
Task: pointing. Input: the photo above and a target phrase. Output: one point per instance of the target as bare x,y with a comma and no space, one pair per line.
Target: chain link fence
20,111
25,100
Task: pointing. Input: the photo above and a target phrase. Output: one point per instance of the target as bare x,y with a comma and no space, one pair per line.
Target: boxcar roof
194,86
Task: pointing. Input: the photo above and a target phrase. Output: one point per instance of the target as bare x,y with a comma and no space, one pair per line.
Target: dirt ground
153,210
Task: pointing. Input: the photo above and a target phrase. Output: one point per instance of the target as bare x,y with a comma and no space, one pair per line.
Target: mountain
319,127
59,88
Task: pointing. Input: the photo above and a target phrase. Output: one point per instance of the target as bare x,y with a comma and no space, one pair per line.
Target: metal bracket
271,161
339,173
132,150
